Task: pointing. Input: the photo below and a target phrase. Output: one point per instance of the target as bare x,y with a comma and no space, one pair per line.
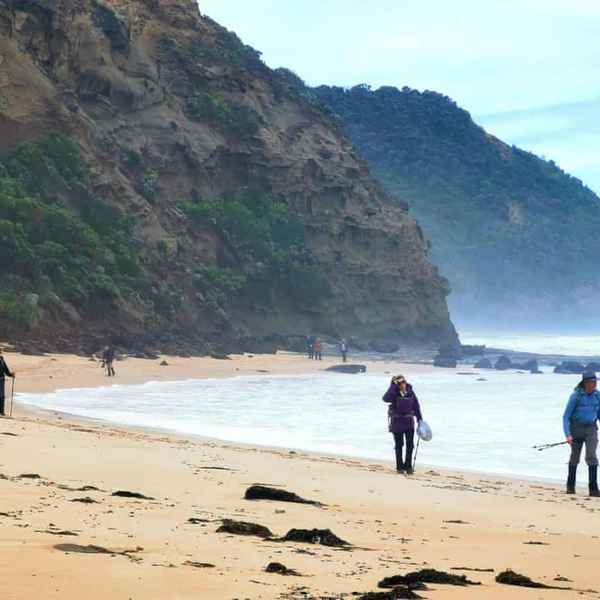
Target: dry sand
395,524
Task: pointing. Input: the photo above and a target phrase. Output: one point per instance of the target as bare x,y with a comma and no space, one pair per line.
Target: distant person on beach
404,408
108,357
318,349
4,372
580,423
344,350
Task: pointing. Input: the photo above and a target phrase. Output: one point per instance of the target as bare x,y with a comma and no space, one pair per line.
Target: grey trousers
584,434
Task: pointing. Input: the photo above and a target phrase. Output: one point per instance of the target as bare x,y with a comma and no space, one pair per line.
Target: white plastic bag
424,431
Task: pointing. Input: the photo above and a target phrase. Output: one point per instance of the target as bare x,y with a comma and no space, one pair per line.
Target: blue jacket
581,407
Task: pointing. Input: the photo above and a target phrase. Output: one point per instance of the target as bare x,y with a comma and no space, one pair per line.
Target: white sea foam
480,425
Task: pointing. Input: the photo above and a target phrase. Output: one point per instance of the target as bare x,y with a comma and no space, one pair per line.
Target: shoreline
228,369
32,410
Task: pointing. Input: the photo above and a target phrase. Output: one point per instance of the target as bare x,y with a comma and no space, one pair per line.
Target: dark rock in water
503,363
126,494
262,492
468,350
484,363
196,521
569,367
348,369
527,366
384,346
323,537
531,365
509,577
86,500
445,361
164,363
426,576
220,356
29,476
244,528
397,593
280,569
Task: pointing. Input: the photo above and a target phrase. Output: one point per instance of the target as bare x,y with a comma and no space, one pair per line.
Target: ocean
484,421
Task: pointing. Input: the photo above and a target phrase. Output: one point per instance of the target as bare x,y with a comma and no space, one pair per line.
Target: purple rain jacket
403,409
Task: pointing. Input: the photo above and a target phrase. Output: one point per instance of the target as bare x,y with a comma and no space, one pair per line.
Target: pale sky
528,70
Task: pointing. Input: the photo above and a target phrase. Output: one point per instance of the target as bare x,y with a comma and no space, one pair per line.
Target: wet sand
147,548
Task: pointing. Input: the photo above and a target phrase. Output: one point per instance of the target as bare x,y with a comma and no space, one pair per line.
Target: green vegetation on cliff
267,241
58,240
507,228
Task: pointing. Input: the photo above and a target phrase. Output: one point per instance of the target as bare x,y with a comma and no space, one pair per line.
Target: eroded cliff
233,205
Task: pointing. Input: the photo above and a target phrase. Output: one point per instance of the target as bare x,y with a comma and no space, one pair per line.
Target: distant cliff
517,237
159,183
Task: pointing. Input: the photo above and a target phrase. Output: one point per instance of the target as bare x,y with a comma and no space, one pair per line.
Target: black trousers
2,396
399,440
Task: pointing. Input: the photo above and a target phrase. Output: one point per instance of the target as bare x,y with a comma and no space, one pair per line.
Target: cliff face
239,210
515,235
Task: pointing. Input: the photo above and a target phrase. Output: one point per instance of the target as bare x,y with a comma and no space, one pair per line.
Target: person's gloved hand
569,439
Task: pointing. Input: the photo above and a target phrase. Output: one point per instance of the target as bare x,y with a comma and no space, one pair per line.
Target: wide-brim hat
588,376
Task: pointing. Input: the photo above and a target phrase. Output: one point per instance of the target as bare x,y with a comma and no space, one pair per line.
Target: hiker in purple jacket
404,408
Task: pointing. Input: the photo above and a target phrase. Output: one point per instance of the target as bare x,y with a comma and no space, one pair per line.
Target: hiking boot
571,479
594,481
400,470
409,470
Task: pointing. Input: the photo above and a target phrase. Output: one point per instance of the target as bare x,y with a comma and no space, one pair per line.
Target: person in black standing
344,349
4,372
108,357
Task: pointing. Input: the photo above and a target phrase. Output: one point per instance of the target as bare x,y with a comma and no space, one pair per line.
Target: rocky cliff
159,182
516,236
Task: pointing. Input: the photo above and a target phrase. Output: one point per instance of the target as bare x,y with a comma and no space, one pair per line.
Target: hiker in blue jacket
580,423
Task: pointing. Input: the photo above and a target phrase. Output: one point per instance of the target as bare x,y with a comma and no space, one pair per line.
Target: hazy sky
528,70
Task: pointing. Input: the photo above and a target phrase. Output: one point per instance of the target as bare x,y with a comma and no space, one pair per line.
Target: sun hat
588,376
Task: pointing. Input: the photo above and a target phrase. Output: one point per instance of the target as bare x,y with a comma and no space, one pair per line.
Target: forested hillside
517,237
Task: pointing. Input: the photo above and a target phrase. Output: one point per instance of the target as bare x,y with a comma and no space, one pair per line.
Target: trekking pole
546,446
12,397
416,452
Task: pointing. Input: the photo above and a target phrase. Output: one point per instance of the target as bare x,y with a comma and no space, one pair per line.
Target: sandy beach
65,535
